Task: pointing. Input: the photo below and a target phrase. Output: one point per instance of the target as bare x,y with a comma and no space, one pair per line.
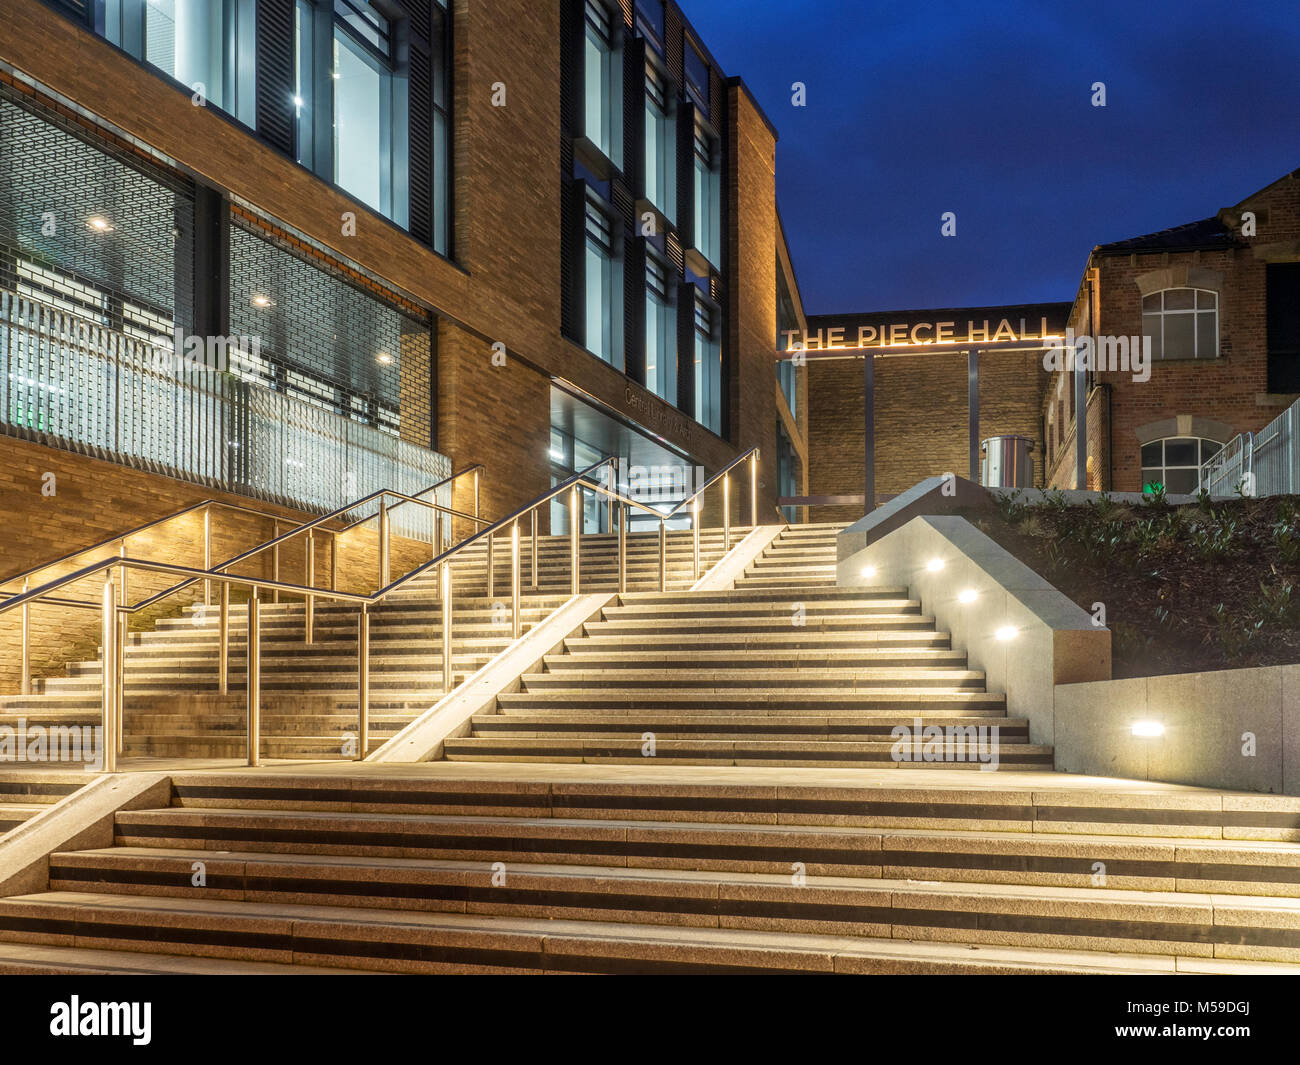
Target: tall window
599,270
708,210
370,111
660,145
599,100
1183,323
1174,462
208,45
660,331
708,367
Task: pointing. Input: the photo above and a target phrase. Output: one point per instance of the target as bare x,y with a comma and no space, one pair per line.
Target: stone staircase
549,842
774,672
28,790
765,872
171,689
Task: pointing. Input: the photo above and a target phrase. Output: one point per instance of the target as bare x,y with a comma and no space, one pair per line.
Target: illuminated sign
914,334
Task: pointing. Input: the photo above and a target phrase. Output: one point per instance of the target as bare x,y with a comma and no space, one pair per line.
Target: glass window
708,210
708,367
1175,462
600,284
370,113
1183,323
660,332
209,45
697,76
598,82
650,21
660,146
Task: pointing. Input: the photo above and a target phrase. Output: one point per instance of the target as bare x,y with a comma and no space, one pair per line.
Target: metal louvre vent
97,285
96,212
325,341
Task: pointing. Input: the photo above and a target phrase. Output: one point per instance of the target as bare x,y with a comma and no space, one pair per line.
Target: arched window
1173,462
1183,323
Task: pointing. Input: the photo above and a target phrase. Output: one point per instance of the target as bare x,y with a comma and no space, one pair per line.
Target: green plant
1234,633
1203,500
1286,538
1156,496
1278,602
1215,538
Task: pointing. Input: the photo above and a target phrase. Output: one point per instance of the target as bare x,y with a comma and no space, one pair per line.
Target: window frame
1203,455
1195,312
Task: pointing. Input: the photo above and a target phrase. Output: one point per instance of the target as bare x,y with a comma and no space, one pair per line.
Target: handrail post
254,679
726,513
535,509
612,470
207,552
516,623
663,555
223,640
309,604
753,489
119,686
575,524
695,534
383,541
108,638
121,575
622,549
275,560
476,513
25,681
363,682
437,531
447,682
334,562
491,569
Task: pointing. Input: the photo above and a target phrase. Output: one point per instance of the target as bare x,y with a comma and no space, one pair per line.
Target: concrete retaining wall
1052,640
1231,728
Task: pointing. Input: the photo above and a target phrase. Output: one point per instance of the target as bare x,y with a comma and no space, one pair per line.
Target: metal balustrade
82,386
115,610
1266,463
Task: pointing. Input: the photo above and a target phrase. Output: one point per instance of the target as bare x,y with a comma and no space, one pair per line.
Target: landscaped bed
1208,585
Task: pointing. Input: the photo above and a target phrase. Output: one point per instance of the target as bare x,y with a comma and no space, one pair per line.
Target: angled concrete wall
1052,640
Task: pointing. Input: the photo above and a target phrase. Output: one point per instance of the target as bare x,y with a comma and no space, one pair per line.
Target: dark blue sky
916,107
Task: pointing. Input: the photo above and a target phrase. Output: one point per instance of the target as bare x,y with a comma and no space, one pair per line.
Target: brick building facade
1233,371
472,250
921,397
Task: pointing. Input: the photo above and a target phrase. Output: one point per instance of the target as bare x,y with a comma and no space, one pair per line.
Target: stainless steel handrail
25,680
115,612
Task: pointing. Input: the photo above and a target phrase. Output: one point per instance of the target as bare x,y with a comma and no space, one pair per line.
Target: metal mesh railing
1266,463
80,386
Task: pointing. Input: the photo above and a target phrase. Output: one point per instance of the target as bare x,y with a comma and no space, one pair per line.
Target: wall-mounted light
262,301
1148,728
1007,632
383,358
99,224
934,565
298,101
868,571
968,595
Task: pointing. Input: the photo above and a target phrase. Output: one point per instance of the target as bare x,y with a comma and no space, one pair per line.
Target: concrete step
462,943
131,883
1239,867
762,678
791,751
875,700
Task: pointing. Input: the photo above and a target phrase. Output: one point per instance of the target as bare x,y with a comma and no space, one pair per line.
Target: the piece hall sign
916,334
